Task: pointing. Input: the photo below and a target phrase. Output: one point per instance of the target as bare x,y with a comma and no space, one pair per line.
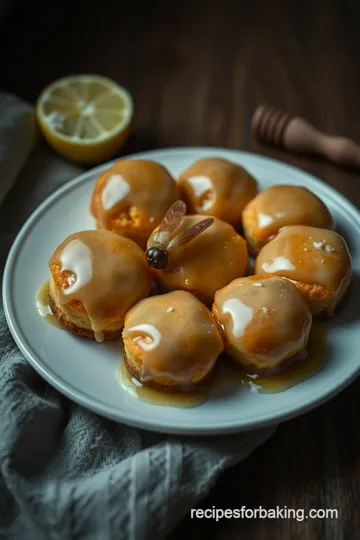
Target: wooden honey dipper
296,134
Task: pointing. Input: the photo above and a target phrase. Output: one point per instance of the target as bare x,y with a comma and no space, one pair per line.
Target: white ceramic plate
86,372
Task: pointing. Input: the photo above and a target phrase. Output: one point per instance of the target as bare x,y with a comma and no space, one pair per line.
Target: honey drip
227,372
155,397
43,306
300,370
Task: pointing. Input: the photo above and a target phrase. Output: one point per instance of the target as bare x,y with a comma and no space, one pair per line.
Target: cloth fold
67,473
18,138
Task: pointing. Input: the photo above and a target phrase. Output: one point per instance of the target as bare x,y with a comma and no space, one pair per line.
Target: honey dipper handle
300,136
296,134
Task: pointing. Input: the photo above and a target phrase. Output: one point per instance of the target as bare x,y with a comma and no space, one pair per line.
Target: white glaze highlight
279,263
150,340
264,220
318,245
240,313
115,190
76,257
200,184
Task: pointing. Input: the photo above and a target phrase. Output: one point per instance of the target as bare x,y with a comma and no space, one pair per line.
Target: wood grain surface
197,70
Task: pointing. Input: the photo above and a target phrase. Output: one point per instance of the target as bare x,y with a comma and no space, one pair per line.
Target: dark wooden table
197,70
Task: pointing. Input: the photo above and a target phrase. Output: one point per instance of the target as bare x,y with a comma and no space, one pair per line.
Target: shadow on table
348,311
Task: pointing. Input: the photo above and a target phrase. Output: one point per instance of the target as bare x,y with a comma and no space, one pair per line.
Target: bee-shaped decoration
165,239
195,253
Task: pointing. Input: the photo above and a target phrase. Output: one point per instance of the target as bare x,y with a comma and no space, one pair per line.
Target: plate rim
115,414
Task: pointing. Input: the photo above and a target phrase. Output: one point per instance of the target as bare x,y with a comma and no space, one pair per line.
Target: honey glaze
43,306
207,263
188,399
103,272
124,195
307,255
299,370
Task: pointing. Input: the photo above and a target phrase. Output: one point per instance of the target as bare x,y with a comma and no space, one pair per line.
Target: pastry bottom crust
163,384
82,331
251,364
322,302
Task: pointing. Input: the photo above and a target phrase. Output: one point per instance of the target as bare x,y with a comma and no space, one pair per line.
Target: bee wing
192,232
173,217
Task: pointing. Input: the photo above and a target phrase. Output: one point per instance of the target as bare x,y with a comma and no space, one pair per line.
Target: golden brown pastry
266,323
279,206
217,187
171,341
96,277
316,260
195,253
132,197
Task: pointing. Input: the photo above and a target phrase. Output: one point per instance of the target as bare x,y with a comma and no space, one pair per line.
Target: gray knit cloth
66,473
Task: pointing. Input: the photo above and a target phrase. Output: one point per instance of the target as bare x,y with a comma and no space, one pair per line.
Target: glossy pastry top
263,316
278,206
208,262
217,187
131,193
102,273
172,335
307,255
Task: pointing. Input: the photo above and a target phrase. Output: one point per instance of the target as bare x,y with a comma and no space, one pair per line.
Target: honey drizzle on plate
300,370
155,397
227,372
43,306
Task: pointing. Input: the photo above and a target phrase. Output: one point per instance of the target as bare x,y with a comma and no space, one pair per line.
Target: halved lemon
85,118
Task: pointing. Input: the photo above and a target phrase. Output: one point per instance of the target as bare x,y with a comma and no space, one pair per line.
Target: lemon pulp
85,118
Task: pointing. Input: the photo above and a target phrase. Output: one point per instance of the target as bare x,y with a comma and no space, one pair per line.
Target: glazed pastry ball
279,206
171,341
266,323
217,187
207,263
132,197
96,277
316,260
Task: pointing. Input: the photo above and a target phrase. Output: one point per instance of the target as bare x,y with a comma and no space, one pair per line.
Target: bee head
157,258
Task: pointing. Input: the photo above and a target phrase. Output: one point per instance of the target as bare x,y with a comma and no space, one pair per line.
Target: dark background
197,70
